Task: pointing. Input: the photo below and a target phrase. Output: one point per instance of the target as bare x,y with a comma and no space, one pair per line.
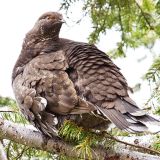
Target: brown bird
56,79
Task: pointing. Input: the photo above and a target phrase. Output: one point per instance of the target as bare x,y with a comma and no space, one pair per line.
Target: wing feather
108,89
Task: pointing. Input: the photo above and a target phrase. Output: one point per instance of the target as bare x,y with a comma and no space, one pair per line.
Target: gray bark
32,138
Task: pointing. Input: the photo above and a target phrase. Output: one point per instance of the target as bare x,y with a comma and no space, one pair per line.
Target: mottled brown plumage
56,79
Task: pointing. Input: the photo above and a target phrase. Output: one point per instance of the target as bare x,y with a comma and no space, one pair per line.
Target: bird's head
49,24
47,27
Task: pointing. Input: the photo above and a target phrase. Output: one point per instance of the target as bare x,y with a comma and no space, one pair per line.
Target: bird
55,79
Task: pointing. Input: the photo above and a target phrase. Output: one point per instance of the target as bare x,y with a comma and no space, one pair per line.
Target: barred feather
77,80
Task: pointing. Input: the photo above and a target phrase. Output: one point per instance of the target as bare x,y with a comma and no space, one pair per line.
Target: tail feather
115,117
152,123
127,116
125,107
137,128
130,119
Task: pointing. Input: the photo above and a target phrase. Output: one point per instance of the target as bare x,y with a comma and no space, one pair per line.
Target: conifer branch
143,14
33,138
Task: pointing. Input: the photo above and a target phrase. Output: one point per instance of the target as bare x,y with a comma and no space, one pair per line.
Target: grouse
56,79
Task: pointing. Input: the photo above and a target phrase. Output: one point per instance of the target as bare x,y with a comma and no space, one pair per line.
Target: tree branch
143,14
134,144
32,138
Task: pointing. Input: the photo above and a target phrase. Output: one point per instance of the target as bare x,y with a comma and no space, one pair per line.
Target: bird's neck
53,38
50,34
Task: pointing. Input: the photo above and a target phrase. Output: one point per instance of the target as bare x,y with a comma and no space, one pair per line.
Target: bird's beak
62,21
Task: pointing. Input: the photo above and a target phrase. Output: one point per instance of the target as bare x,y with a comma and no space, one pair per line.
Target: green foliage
17,151
153,73
156,144
62,157
70,131
153,76
83,139
117,52
138,21
157,110
158,7
6,101
12,111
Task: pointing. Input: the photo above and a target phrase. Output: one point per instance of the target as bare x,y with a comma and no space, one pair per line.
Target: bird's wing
43,90
101,83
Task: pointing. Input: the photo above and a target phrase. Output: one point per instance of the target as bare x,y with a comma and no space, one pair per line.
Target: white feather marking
98,112
138,113
55,121
43,101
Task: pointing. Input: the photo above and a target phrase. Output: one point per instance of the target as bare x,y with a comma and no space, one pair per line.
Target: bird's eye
45,17
48,17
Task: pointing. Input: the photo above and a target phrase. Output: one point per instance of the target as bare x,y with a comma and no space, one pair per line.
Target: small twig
120,21
154,93
9,111
8,150
25,148
143,14
149,150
